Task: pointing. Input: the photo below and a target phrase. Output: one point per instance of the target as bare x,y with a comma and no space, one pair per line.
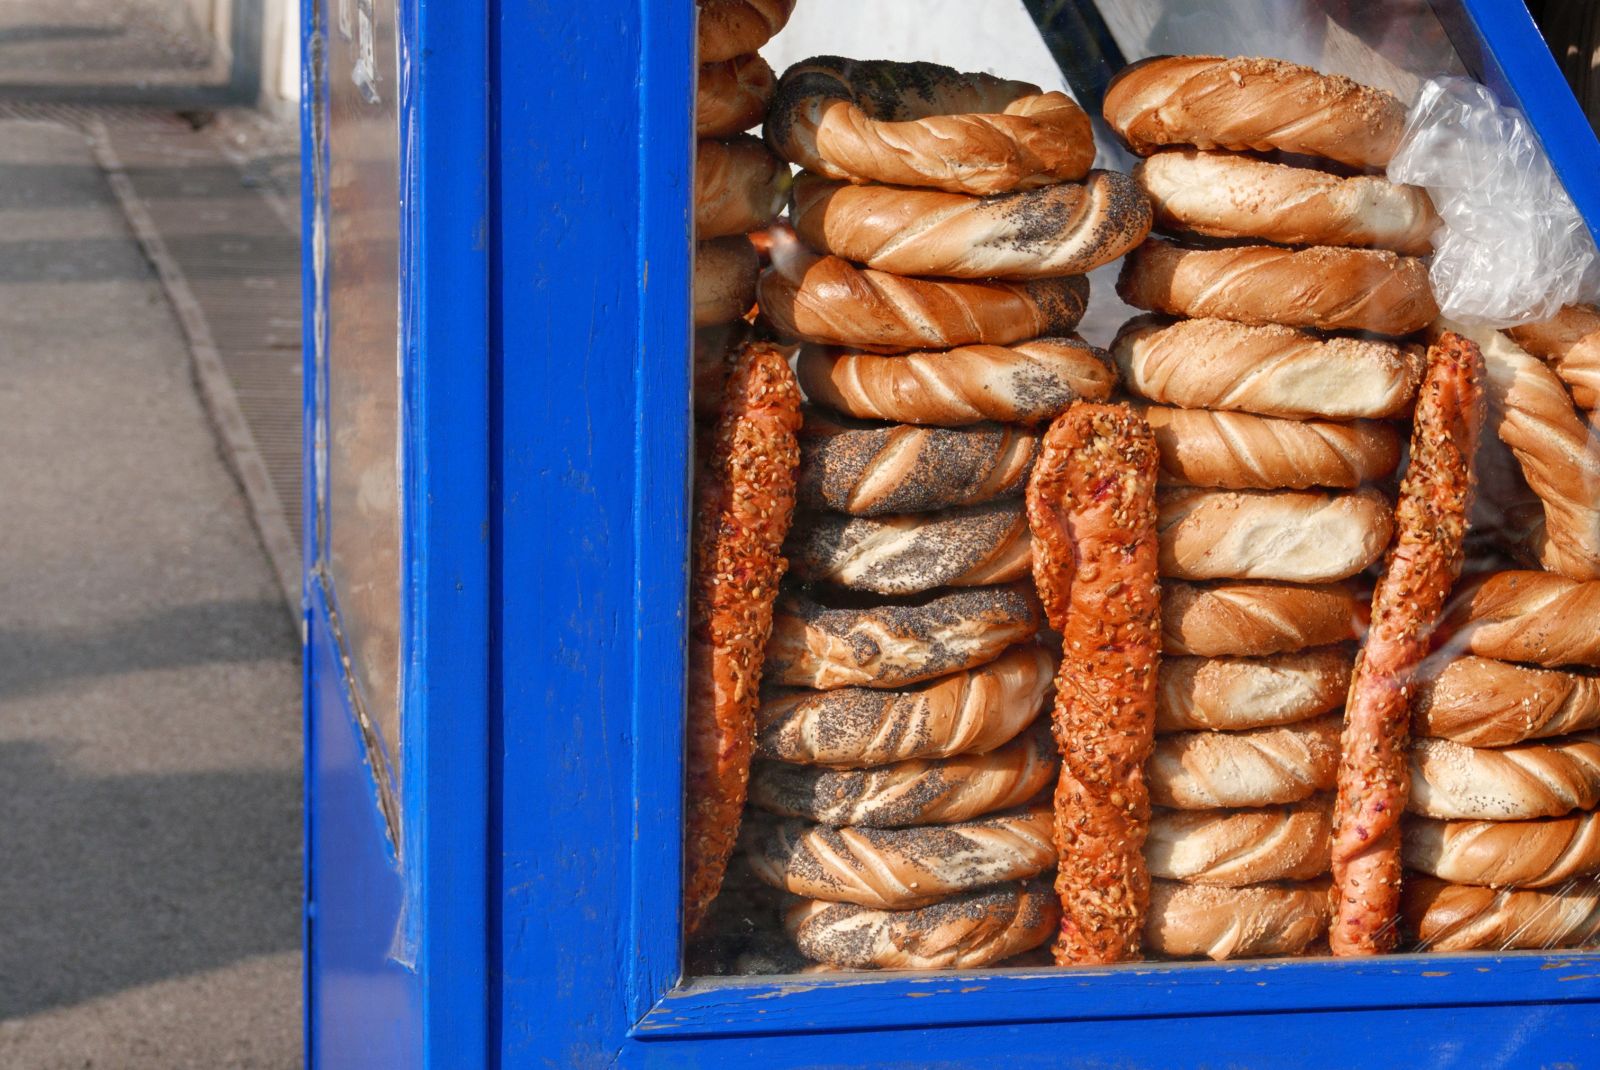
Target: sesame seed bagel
1515,783
1505,854
1067,229
888,646
1201,921
976,929
1254,619
1232,694
1232,848
1259,767
1241,451
731,96
1441,916
1299,536
1486,703
922,124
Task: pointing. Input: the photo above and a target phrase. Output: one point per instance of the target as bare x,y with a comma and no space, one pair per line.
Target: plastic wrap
1513,248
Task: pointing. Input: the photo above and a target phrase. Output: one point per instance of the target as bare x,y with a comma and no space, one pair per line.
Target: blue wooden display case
497,217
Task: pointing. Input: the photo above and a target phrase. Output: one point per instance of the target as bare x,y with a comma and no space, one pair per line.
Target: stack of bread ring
1271,373
1503,840
904,771
739,185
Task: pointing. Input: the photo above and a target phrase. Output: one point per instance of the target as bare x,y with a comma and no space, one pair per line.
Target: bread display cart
499,218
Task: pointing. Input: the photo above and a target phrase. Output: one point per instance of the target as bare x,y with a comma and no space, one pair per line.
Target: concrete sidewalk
149,687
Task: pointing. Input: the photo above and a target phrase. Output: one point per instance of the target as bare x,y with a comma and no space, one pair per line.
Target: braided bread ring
1270,370
1487,703
963,932
731,96
1246,619
1515,783
730,28
1537,617
893,869
1240,451
1237,847
1295,535
739,186
964,547
1201,921
1259,767
725,271
968,712
1261,104
1505,854
1460,917
1230,694
920,791
1027,383
921,124
826,299
1068,229
1220,195
1570,343
1328,288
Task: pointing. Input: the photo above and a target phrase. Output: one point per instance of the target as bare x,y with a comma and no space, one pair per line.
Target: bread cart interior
944,534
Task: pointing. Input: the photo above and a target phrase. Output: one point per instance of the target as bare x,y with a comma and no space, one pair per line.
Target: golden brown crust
1445,917
1409,600
725,273
714,348
1536,617
739,186
730,28
968,712
1245,618
1027,383
1258,767
731,96
1244,103
743,502
1505,854
831,301
872,469
1299,536
970,546
1066,229
967,931
1091,508
898,644
1230,694
1271,370
1323,287
1232,848
1515,783
1570,343
1199,921
920,791
894,869
1486,703
1222,195
1240,451
921,124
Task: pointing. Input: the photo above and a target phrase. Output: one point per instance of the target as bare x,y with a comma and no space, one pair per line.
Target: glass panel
905,804
362,226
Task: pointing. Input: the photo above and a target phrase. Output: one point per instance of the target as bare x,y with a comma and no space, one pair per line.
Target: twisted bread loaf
921,124
870,470
1027,383
1236,450
1486,703
970,712
964,932
1259,767
739,186
1299,536
725,272
893,869
1421,568
1325,287
1198,921
1515,783
1271,370
731,96
743,502
1570,343
894,645
1460,917
920,791
1538,617
1091,507
826,299
1221,195
1229,694
1067,229
729,28
1556,448
1255,619
1505,854
965,547
1239,847
1262,104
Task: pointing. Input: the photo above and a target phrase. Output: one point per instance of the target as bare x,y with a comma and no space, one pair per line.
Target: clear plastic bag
1513,248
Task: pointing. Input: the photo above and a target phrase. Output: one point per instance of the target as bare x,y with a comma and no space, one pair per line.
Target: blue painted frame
548,177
